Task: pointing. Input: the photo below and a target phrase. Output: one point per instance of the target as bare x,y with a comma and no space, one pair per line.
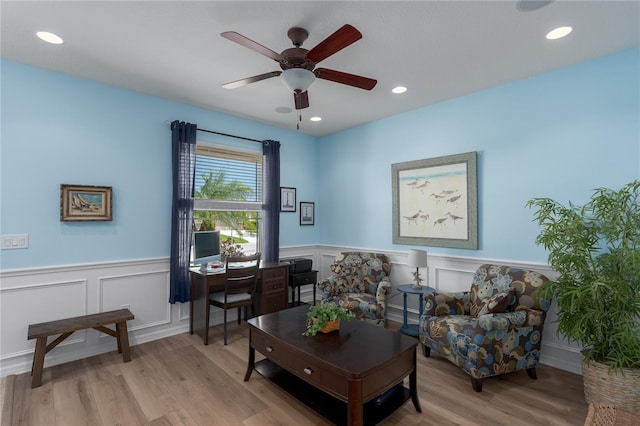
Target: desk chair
239,288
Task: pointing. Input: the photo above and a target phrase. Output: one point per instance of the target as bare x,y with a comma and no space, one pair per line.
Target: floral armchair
359,281
494,328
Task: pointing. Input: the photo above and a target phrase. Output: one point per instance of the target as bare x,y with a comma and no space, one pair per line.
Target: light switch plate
18,241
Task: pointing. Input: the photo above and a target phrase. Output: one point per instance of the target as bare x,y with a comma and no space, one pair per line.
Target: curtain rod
222,134
228,135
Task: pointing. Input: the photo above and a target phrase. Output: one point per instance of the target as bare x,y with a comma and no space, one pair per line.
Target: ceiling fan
298,64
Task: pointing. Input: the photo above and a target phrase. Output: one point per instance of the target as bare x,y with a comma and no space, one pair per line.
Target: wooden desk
271,294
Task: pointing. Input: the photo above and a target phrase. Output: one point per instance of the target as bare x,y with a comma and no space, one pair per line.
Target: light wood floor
179,381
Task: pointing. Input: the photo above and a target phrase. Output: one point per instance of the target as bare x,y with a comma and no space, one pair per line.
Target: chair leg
532,373
225,327
239,314
426,351
476,384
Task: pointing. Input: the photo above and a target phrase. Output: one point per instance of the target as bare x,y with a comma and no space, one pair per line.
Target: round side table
412,329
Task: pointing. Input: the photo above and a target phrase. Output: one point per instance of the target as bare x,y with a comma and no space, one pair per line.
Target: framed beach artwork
85,203
435,202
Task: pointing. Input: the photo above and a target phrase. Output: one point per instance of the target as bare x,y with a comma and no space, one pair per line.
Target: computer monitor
206,247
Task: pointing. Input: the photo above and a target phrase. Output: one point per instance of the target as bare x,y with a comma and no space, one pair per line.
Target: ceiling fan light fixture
297,79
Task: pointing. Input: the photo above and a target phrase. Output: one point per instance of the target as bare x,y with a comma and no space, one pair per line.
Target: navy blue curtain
271,207
183,145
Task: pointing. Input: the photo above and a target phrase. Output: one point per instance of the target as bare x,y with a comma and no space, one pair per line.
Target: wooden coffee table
353,376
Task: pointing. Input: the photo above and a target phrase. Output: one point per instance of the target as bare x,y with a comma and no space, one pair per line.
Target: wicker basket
613,388
331,326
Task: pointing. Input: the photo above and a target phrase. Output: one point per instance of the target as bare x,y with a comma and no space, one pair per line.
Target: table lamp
417,259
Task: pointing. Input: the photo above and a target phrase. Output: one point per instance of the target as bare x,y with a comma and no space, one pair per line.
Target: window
228,195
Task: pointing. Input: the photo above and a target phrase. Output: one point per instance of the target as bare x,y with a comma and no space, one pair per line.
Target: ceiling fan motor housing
296,57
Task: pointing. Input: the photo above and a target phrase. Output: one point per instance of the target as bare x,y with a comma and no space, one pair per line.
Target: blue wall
558,134
60,129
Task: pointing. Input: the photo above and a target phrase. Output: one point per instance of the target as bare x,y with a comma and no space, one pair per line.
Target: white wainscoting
29,296
447,274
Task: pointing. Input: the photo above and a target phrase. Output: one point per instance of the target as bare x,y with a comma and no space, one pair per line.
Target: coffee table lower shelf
327,406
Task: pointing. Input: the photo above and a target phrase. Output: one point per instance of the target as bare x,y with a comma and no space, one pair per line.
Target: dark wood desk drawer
273,303
297,280
272,286
275,273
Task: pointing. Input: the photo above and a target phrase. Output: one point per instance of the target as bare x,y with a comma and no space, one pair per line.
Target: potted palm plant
595,249
326,318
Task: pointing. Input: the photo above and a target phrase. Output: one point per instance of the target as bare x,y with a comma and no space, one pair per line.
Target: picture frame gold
435,202
83,203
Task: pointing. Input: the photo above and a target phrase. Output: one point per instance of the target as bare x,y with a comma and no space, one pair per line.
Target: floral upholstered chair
494,328
359,281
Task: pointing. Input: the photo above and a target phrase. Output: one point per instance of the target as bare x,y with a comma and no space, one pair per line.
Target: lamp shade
417,258
297,79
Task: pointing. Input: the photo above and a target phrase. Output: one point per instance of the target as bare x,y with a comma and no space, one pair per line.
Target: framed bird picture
435,202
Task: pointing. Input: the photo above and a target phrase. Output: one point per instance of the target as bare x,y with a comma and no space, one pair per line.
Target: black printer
299,265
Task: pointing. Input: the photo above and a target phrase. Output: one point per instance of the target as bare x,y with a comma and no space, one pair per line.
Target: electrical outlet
11,242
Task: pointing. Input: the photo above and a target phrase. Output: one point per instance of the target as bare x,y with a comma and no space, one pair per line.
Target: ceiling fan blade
249,80
247,42
346,78
337,41
301,99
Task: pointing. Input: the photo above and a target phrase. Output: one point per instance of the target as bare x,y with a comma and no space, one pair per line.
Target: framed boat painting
85,203
435,202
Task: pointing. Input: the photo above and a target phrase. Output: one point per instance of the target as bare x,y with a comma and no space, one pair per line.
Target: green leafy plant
595,249
319,316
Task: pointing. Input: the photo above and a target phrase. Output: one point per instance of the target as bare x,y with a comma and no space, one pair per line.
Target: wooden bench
65,327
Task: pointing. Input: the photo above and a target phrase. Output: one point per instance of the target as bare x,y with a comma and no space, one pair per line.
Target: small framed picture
85,203
287,199
307,213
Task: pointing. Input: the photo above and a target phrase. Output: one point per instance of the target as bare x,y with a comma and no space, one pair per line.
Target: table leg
191,314
413,386
252,360
355,412
404,311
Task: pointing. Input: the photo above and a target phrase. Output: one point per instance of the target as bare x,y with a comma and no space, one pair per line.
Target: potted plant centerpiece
595,249
326,318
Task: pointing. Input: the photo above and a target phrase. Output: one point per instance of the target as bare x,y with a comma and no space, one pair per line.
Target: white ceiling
438,49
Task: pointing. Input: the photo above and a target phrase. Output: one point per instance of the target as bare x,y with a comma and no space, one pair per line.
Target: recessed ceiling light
49,37
283,109
399,89
315,118
559,33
